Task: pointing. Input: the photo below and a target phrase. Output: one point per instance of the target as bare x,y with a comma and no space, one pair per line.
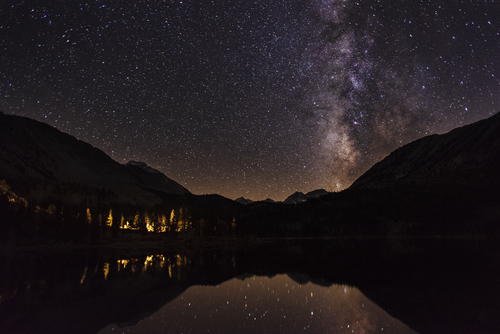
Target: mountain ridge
33,150
300,197
468,155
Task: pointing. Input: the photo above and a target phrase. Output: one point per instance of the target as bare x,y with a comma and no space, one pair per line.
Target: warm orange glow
136,220
84,275
161,223
51,209
106,270
89,216
172,216
148,262
149,224
122,264
173,265
127,226
109,222
12,197
161,260
4,187
184,224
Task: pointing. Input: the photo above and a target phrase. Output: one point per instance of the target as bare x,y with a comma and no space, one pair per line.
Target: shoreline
135,243
155,243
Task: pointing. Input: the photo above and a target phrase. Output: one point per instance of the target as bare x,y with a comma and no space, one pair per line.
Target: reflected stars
313,308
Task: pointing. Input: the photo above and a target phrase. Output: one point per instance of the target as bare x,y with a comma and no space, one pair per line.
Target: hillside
439,185
465,156
299,197
44,157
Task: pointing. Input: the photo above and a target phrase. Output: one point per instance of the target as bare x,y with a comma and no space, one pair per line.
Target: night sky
251,98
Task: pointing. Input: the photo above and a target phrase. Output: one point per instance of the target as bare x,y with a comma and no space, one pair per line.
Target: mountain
296,197
243,200
299,197
38,159
317,193
153,179
465,156
440,185
268,200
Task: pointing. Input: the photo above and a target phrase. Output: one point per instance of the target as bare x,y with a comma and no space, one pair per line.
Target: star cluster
250,98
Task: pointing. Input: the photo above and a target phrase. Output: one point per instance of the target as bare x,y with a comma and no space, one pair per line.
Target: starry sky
251,98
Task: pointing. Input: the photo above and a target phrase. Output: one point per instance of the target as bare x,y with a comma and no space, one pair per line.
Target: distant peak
299,197
143,166
317,193
243,200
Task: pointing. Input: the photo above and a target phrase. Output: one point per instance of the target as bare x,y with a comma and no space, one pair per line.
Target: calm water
261,304
334,286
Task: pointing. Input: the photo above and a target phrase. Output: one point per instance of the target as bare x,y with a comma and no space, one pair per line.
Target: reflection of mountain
433,287
40,156
260,304
89,293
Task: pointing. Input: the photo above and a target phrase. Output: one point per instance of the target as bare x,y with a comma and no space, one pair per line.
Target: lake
279,286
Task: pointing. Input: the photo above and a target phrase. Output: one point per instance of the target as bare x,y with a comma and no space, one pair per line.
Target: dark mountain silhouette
35,153
153,179
438,185
296,197
468,156
317,193
299,197
243,200
415,282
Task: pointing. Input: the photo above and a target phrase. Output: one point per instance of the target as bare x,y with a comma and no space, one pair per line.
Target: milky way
251,98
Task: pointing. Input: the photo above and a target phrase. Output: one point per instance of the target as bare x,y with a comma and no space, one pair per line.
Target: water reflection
261,304
432,286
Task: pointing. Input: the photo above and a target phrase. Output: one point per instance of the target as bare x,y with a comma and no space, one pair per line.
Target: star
236,97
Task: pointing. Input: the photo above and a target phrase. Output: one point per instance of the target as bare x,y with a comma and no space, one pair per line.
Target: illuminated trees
89,216
4,187
109,221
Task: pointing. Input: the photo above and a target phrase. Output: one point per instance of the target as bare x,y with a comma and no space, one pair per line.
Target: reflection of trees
173,266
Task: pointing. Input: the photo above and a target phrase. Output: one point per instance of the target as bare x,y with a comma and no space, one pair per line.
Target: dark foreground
429,285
